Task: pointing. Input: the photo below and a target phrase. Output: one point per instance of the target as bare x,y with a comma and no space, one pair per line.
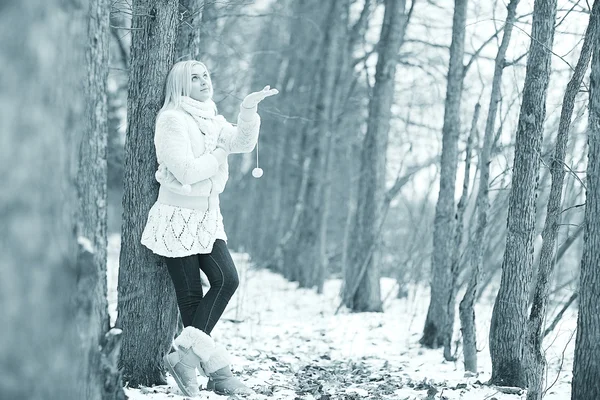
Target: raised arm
243,137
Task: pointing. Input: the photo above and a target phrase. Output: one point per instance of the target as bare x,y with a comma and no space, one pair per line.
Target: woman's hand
254,98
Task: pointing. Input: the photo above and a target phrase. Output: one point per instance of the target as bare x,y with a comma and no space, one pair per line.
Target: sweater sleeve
174,150
243,137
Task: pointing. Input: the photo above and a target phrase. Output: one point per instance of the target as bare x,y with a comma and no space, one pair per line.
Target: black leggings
200,311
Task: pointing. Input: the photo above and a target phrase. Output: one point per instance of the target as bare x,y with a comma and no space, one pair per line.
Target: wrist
247,113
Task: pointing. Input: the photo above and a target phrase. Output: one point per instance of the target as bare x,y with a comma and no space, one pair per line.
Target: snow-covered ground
288,343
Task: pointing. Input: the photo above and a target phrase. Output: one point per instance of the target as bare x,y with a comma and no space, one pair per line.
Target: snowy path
288,344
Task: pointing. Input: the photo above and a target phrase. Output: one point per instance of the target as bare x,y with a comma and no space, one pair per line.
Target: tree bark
190,26
482,205
549,234
42,50
509,317
92,220
458,237
444,225
361,289
586,368
147,312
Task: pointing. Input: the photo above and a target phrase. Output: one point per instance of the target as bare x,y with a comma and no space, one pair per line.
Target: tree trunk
444,225
466,307
43,354
458,237
265,193
586,368
190,26
361,280
197,18
92,218
550,232
304,257
509,317
147,312
300,61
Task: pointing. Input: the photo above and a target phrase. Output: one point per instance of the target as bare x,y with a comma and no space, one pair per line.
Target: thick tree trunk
42,51
103,381
361,285
444,225
147,311
550,232
466,307
509,318
586,368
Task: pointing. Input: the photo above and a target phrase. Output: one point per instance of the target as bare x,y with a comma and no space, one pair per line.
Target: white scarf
205,115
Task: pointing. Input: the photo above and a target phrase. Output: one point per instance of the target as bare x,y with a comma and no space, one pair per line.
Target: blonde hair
179,83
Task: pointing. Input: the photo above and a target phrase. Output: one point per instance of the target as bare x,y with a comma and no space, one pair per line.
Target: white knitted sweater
185,222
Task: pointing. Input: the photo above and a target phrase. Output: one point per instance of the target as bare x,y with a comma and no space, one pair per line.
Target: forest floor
288,343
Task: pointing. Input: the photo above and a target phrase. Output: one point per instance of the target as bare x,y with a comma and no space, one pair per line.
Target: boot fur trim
219,359
201,344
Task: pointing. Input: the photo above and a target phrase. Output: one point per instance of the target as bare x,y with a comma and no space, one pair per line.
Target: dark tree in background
189,37
147,311
361,284
303,254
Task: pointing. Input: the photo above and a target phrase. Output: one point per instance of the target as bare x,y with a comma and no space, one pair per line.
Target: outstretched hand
254,98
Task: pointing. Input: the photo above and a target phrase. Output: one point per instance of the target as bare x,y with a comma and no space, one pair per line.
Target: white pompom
257,172
186,188
158,175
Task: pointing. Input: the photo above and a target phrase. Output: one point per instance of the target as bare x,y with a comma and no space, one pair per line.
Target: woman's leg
185,274
223,277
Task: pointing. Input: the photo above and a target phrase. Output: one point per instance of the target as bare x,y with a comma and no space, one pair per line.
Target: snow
288,343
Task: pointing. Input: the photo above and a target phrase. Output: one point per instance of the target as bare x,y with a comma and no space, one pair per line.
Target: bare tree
549,234
304,256
586,368
508,330
362,275
442,281
102,377
147,312
466,307
459,233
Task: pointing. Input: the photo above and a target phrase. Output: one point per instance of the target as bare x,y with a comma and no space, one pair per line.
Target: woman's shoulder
171,118
171,113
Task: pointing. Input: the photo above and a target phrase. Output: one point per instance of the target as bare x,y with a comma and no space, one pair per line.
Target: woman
185,224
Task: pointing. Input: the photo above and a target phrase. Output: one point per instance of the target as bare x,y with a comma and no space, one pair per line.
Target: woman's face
201,84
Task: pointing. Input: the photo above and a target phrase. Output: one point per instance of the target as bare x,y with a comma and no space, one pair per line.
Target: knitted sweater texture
186,217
